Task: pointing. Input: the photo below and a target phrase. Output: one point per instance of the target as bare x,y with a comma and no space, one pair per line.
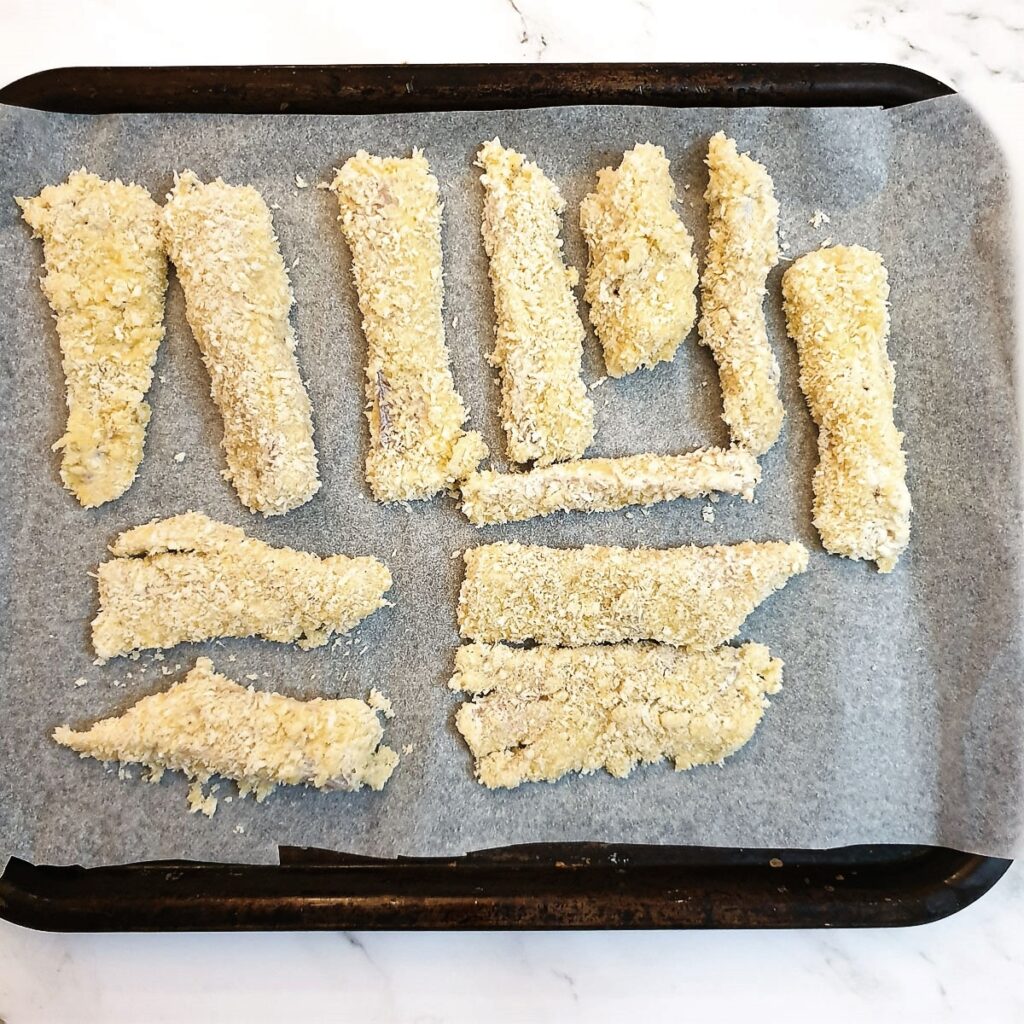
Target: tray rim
32,896
411,86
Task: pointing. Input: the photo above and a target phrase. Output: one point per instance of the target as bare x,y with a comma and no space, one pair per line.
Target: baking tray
540,886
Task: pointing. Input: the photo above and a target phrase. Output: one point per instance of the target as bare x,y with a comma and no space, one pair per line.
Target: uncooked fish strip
237,298
105,279
189,578
210,725
538,341
687,596
642,272
601,485
544,712
743,223
391,220
837,313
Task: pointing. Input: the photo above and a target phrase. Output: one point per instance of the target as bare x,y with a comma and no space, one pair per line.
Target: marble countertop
968,967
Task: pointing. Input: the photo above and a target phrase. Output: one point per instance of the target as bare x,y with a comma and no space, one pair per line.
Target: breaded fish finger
743,223
642,273
692,597
189,578
538,341
544,712
602,485
391,220
237,298
210,725
106,275
837,313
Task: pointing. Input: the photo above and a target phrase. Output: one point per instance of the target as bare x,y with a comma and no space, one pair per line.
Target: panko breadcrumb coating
743,223
692,597
538,341
642,272
837,313
601,485
189,578
544,712
106,275
237,298
210,725
391,220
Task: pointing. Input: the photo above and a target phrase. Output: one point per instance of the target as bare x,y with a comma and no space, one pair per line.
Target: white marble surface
967,968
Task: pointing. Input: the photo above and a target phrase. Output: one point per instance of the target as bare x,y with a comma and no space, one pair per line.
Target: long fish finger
210,725
743,223
602,485
836,304
106,275
541,713
692,597
391,220
642,273
238,298
188,578
538,342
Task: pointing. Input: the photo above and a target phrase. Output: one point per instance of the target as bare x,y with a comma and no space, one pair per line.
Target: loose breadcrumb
189,578
592,485
106,275
541,713
692,597
237,296
743,220
391,220
538,341
380,703
642,273
836,303
209,725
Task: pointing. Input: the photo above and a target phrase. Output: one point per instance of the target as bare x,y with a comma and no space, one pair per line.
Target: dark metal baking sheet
575,885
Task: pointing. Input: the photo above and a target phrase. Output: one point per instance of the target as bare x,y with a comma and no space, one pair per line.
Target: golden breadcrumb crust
837,313
209,725
544,712
391,220
692,597
106,275
189,578
237,299
743,223
600,485
642,272
538,341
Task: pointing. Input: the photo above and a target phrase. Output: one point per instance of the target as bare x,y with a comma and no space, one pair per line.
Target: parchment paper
901,719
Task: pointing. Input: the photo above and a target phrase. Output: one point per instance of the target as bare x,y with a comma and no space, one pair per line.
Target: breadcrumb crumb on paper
538,342
601,485
380,703
189,578
743,220
209,725
836,303
391,220
106,275
238,298
642,272
695,597
539,714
